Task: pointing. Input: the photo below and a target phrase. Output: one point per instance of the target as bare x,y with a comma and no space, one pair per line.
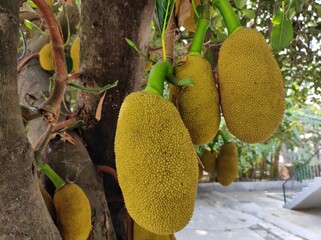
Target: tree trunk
274,171
23,213
105,58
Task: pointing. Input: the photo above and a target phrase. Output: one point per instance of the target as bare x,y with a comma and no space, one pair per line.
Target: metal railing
304,173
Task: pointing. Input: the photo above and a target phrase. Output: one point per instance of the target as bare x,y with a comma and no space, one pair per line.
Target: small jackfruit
250,85
48,200
208,159
156,163
142,234
46,58
73,212
198,105
227,164
74,53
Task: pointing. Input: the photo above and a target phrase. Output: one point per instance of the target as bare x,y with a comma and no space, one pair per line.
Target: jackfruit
46,58
48,200
250,86
156,163
73,212
198,105
74,53
142,234
209,160
227,164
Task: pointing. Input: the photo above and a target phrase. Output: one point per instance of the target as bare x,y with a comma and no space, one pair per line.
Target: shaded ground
246,215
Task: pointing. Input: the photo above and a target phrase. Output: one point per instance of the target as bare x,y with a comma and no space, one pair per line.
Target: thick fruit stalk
198,105
156,162
250,82
227,164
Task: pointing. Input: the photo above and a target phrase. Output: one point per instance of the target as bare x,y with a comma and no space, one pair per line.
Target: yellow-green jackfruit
198,105
74,53
48,200
142,234
208,159
250,85
156,163
73,212
227,164
46,58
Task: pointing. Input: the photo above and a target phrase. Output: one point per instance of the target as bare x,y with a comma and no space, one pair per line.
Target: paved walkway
248,215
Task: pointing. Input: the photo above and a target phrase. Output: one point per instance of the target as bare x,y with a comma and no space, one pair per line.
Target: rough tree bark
105,58
23,213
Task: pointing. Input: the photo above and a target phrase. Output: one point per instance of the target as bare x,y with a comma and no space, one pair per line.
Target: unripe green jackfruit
142,234
156,163
73,212
46,58
251,86
208,159
227,164
198,105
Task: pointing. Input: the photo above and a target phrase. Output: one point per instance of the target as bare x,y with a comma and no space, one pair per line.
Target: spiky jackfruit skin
227,164
198,105
46,58
156,163
73,212
250,85
74,53
208,159
142,234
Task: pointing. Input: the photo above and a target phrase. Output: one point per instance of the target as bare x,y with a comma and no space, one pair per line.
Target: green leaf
298,4
31,4
164,9
277,16
240,4
250,14
282,34
32,26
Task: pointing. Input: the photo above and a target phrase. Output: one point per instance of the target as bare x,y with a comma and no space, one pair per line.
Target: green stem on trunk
231,20
159,72
52,175
202,26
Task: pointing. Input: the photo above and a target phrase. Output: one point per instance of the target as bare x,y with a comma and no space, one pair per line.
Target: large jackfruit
198,105
208,159
156,163
227,164
142,234
250,85
73,212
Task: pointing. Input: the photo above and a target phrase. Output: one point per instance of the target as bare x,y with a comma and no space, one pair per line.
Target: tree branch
50,108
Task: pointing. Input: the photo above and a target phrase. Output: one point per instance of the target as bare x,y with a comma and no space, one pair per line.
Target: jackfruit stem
159,72
222,136
231,20
52,175
202,26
